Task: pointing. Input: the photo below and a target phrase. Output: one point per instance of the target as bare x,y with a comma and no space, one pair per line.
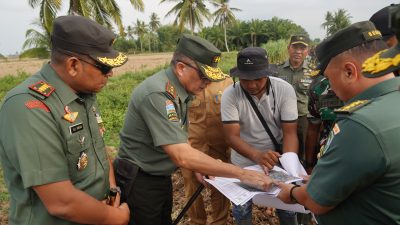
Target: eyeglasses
201,75
105,70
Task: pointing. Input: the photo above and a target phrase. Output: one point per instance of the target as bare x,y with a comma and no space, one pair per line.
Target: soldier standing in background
296,71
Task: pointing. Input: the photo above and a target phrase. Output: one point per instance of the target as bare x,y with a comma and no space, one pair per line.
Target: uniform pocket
81,159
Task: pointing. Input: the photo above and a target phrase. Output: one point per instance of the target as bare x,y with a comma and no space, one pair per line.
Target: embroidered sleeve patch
42,88
171,112
33,104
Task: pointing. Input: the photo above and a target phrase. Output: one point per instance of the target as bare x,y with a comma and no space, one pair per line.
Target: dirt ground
135,63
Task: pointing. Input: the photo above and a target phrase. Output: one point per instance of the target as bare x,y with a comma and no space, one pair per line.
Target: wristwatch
114,191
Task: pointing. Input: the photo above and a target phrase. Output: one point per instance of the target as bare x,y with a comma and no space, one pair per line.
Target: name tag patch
75,128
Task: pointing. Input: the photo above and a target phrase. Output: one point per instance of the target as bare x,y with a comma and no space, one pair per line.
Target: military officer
296,71
381,22
154,136
356,178
51,147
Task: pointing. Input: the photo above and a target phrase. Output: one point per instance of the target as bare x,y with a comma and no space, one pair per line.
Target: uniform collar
303,66
180,90
64,92
377,90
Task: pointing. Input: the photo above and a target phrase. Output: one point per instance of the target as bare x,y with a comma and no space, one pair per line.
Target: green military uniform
359,169
360,164
157,116
38,145
300,79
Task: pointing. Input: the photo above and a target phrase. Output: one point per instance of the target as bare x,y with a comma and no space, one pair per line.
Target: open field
135,63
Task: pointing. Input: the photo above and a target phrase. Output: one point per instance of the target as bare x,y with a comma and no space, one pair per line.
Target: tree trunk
226,41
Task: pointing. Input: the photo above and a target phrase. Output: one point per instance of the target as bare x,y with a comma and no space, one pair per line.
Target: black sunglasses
103,68
201,75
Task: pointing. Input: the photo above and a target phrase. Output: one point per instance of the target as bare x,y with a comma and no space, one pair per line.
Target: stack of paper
240,193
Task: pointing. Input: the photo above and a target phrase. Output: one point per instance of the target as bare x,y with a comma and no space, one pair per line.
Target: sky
17,16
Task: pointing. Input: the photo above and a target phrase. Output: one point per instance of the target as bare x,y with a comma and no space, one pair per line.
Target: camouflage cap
345,39
205,55
386,61
84,36
299,39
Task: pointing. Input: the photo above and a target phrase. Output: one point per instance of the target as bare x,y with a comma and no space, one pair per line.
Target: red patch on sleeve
32,104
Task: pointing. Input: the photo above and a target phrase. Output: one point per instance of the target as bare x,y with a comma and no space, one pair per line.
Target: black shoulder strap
262,120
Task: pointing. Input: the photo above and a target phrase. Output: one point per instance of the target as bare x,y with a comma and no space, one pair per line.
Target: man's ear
351,72
179,68
73,66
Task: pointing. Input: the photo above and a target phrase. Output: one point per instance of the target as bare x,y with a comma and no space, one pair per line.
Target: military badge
336,129
217,97
82,161
171,112
42,88
32,104
69,116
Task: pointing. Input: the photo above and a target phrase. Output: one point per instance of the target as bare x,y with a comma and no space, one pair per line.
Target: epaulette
350,108
170,89
43,88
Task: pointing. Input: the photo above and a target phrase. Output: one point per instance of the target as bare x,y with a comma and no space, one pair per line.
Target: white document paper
291,163
240,193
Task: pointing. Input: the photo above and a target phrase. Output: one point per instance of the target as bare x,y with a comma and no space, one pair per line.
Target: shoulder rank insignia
31,104
170,90
42,88
350,108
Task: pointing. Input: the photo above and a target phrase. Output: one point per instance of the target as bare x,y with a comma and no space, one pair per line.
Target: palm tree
102,11
37,43
224,17
189,12
140,29
256,29
235,34
154,24
336,21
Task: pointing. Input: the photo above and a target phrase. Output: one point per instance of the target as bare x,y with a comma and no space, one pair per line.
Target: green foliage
2,56
41,53
8,82
277,51
335,21
4,196
125,45
168,36
113,101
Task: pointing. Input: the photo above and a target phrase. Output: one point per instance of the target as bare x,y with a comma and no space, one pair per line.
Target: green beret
205,54
84,36
386,61
345,39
